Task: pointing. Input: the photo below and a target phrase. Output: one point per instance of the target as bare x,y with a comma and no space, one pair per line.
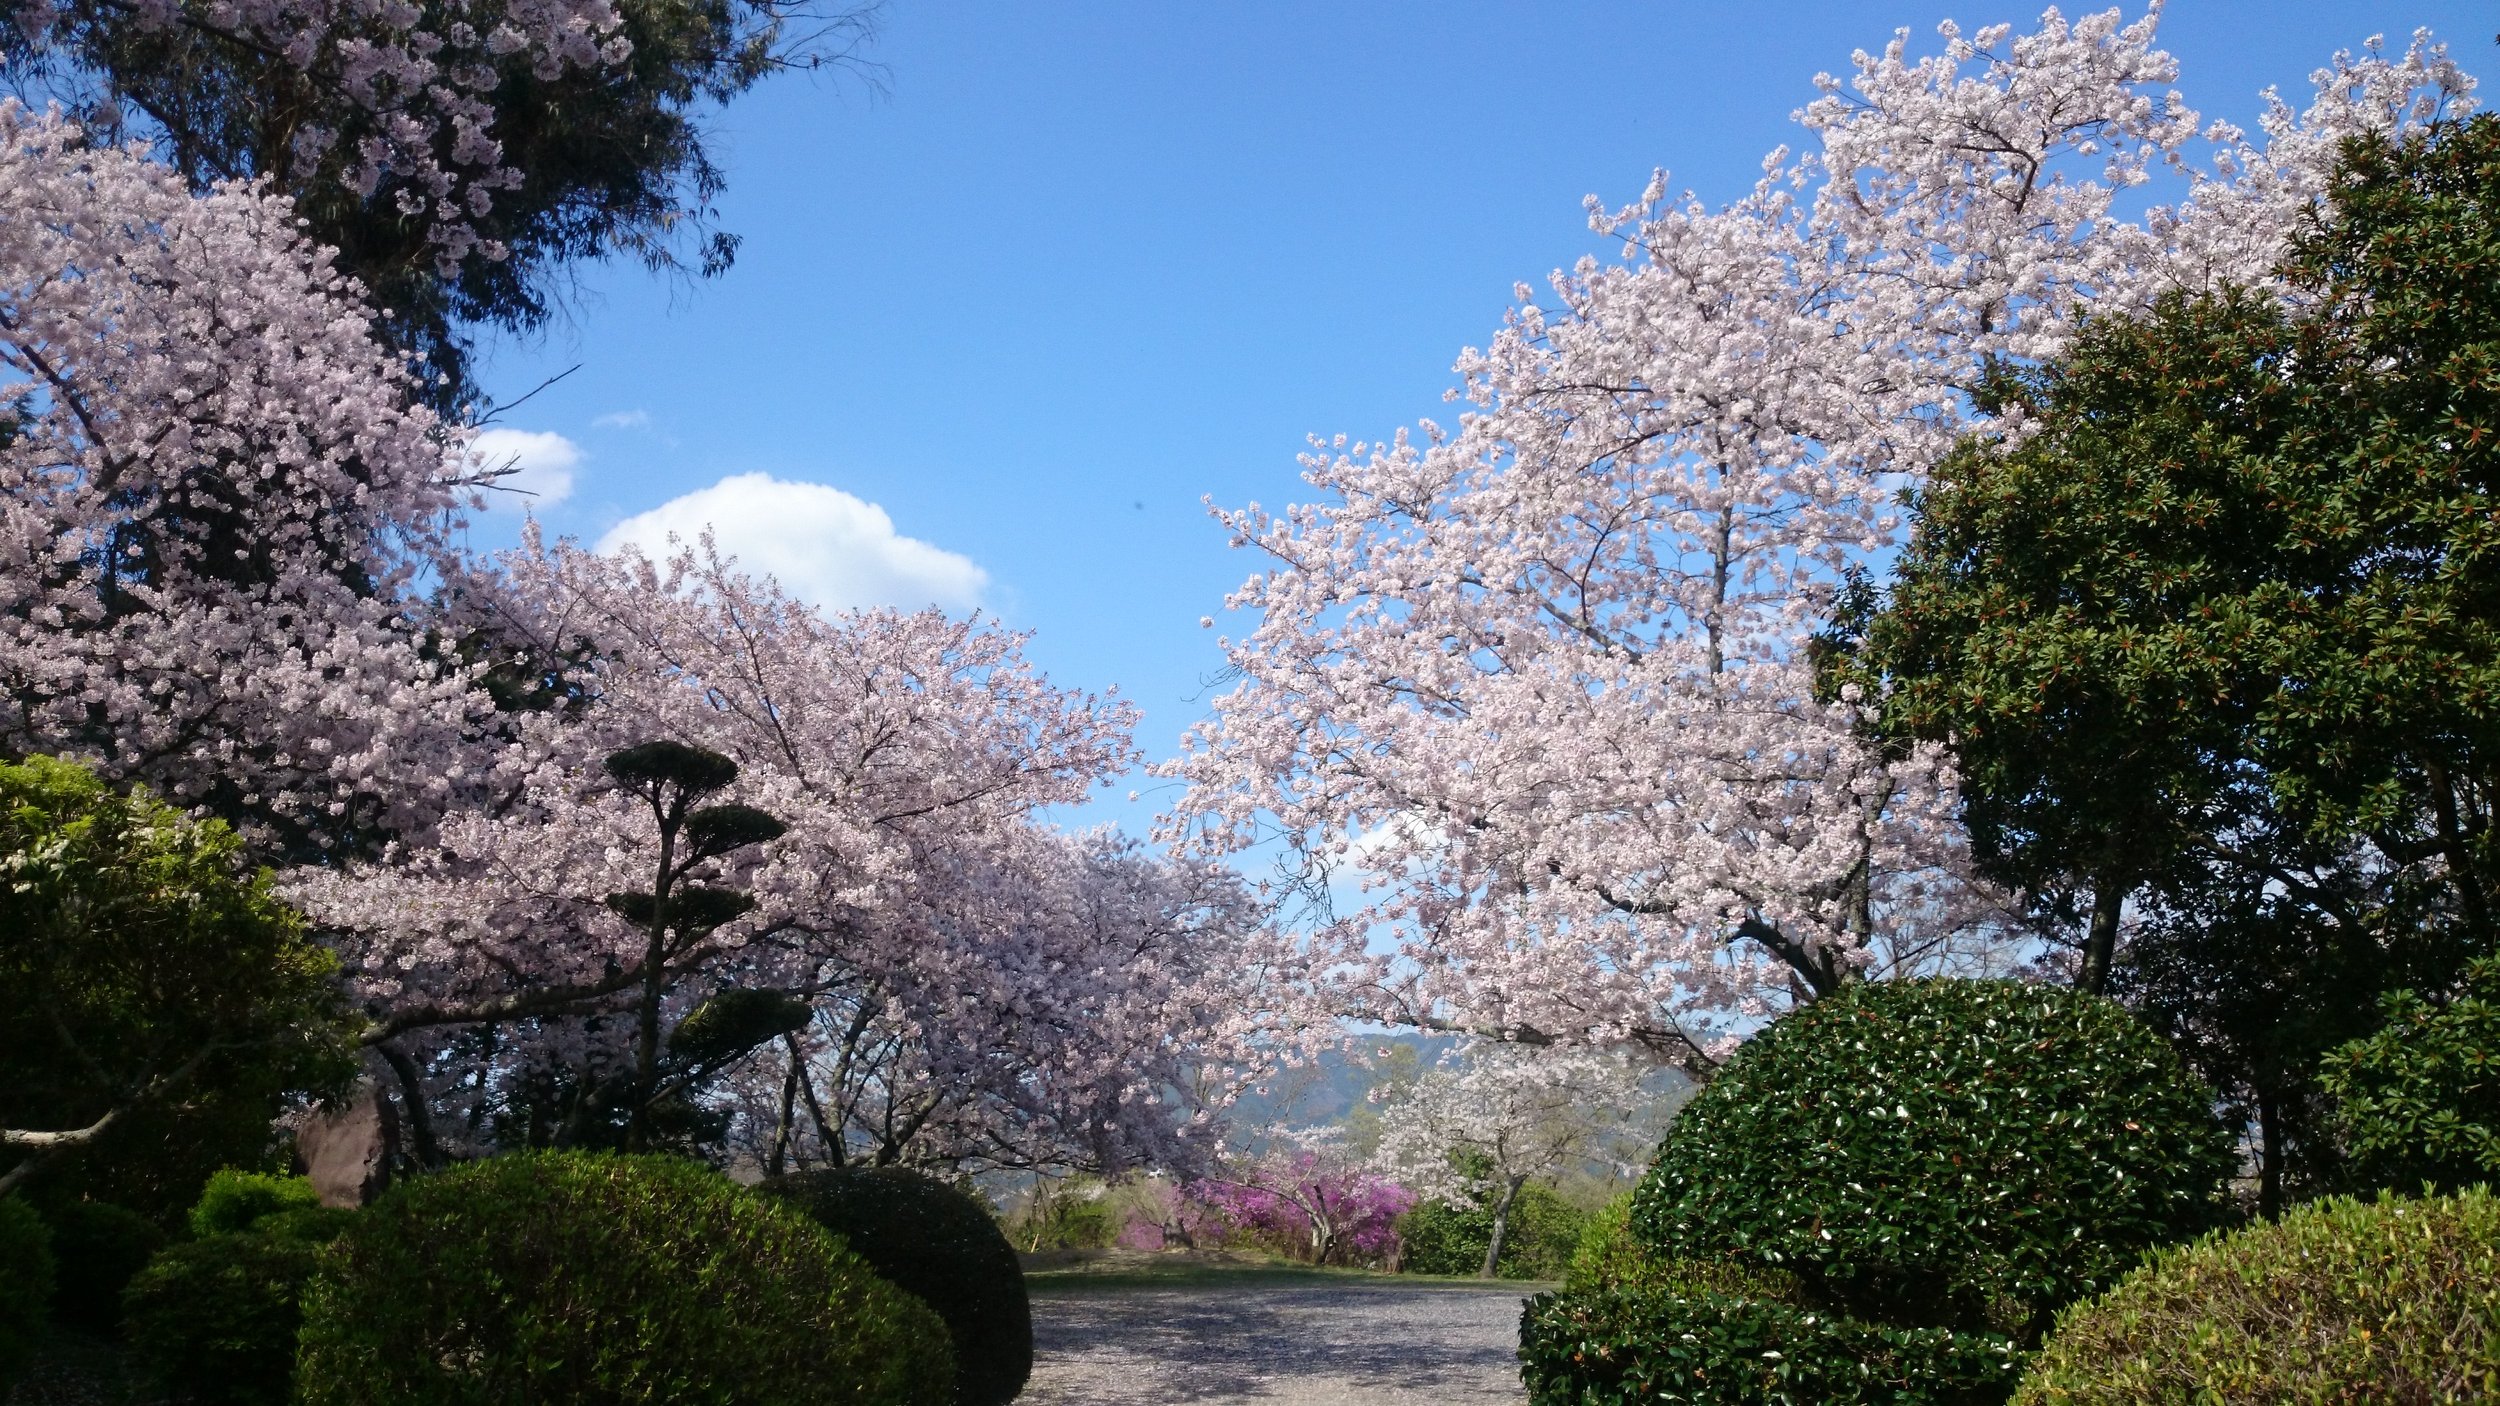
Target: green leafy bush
1609,1256
565,1279
233,1199
1962,1154
1444,1238
2340,1301
1071,1214
215,1319
96,1248
941,1246
135,940
1653,1345
25,1281
2418,1103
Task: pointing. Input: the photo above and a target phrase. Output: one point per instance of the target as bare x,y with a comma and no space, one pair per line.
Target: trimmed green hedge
25,1282
938,1244
1633,1347
577,1279
234,1199
216,1318
1962,1154
2341,1301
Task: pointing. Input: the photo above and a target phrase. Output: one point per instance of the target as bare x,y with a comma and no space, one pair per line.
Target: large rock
347,1148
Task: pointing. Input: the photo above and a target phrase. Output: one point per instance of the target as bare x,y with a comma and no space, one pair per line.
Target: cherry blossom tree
984,992
454,154
216,506
1547,677
1493,1116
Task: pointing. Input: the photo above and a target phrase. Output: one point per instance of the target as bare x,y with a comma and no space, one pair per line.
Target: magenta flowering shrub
1306,1206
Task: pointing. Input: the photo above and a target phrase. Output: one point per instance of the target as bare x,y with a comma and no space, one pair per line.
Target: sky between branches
997,328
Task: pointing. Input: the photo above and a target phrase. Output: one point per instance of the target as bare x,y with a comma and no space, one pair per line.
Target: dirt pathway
1278,1344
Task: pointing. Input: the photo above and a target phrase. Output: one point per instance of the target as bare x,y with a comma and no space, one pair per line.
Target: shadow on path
1295,1344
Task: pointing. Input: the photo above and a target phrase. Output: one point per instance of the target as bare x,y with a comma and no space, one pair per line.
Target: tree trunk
654,986
2269,1155
2100,945
1501,1224
777,1158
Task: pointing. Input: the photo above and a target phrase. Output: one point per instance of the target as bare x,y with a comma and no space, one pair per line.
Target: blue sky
1077,266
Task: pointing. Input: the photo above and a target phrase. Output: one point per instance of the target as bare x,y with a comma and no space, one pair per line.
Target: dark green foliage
96,1248
574,1279
146,973
2218,638
234,1199
215,1319
940,1245
663,766
1963,1154
730,1023
2419,1102
25,1281
1440,1237
2340,1301
1633,1347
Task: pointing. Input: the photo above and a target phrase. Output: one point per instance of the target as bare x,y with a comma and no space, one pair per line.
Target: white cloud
542,464
820,543
623,420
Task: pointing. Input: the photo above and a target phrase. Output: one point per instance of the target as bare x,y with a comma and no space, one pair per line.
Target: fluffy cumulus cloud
820,543
540,464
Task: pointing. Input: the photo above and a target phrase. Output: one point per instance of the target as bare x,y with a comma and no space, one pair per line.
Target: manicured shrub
25,1282
566,1279
2342,1300
1649,1345
215,1319
1441,1237
941,1246
2418,1103
1609,1256
1962,1154
96,1248
233,1199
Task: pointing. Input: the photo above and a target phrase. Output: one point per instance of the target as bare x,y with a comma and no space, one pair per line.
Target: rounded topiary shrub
25,1282
96,1248
566,1279
941,1246
234,1199
1963,1154
215,1319
2341,1300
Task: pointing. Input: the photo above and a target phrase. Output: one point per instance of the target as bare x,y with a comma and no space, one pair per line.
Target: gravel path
1291,1344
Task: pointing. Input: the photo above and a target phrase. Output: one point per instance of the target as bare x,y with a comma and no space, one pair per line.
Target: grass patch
1083,1271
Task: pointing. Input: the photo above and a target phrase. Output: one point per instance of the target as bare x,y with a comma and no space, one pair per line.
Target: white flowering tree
1492,1117
1548,673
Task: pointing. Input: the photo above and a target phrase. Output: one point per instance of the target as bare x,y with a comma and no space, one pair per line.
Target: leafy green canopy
1963,1154
2216,638
157,1005
2341,1300
2419,1102
570,1279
